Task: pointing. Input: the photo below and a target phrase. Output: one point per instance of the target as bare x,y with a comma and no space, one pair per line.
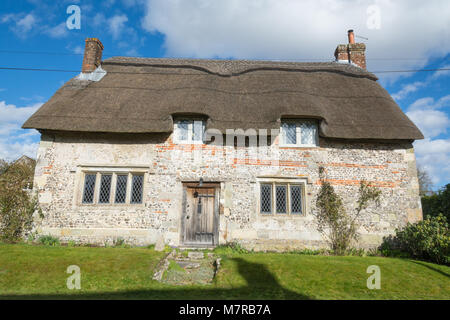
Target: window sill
295,146
111,206
188,142
282,215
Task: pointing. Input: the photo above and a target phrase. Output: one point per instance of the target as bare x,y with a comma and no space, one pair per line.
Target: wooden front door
200,217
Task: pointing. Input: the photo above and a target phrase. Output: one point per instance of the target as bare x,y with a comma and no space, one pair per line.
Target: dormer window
189,131
299,133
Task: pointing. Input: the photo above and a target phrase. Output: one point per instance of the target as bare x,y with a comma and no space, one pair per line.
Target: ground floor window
113,188
282,198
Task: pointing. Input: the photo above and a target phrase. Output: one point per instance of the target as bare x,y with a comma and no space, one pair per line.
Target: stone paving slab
187,269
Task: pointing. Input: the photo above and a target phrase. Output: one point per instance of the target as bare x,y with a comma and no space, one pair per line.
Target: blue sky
402,35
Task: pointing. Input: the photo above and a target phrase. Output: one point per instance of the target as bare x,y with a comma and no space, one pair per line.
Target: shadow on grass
261,284
432,268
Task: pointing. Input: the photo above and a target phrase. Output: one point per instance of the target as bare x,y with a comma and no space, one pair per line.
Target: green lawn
125,273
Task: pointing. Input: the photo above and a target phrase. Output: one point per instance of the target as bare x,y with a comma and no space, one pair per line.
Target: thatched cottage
206,152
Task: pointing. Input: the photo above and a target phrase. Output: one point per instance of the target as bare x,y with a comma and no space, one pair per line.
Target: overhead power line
37,69
164,73
115,55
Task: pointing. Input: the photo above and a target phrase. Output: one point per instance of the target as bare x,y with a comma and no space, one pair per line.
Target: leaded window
183,130
299,133
290,133
189,131
89,188
308,133
111,188
281,198
296,199
266,198
121,188
197,131
105,188
136,188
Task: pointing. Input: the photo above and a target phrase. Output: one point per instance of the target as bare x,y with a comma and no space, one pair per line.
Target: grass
28,271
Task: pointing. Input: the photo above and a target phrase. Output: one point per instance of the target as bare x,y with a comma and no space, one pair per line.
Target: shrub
437,203
120,243
49,240
230,248
333,222
17,204
71,243
425,240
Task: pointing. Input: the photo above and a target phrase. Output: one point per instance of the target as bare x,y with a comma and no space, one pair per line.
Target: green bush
120,243
425,240
333,222
230,248
437,203
71,243
17,203
49,241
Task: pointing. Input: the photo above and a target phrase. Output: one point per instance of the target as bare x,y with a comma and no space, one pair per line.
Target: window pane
89,186
105,188
182,128
136,188
266,198
289,133
197,134
296,199
281,194
121,188
308,133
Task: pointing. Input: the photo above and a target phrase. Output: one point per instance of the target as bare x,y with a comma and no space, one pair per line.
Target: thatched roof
140,95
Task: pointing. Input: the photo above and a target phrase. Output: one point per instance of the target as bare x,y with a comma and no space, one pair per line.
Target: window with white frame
189,131
113,188
299,133
282,198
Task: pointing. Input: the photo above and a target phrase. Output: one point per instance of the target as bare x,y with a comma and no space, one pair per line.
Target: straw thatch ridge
141,95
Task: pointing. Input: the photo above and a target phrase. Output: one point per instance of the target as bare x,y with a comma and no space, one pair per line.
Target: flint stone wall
61,157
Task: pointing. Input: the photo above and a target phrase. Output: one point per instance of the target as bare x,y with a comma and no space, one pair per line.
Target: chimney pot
92,55
351,37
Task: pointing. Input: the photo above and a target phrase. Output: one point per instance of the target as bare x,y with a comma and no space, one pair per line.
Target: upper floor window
299,133
189,131
113,188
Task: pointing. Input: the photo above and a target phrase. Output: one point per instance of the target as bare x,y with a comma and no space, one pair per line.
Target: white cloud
116,25
9,113
78,50
310,29
434,157
14,141
58,31
14,150
98,20
442,73
26,23
21,23
429,103
431,122
432,154
407,89
433,146
413,87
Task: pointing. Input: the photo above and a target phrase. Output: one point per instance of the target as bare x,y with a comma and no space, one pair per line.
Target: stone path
187,268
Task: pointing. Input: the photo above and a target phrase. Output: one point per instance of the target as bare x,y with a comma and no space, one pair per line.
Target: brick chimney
352,52
92,55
